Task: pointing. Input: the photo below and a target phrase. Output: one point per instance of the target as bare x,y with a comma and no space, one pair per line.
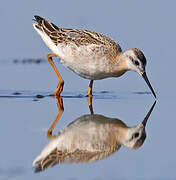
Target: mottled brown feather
78,156
82,38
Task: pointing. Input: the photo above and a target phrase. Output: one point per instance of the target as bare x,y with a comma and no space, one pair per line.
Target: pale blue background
148,25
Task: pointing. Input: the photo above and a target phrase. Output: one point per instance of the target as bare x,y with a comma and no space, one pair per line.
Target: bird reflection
89,138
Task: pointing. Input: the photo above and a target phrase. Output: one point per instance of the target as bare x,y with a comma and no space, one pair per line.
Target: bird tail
44,25
38,19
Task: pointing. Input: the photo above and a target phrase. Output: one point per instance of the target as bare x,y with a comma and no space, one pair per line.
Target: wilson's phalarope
89,138
91,55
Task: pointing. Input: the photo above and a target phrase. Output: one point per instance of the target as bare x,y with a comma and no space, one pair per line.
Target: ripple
22,94
36,95
24,61
29,61
142,92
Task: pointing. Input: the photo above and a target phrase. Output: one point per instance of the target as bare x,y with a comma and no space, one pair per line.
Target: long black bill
144,75
144,122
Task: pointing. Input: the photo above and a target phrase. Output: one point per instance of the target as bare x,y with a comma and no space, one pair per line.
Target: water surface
26,80
26,116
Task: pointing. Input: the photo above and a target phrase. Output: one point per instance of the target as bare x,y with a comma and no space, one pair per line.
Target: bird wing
99,42
77,156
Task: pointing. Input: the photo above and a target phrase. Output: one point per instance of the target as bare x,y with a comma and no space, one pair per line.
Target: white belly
83,62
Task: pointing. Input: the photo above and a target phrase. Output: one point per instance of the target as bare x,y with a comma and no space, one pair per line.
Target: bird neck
119,66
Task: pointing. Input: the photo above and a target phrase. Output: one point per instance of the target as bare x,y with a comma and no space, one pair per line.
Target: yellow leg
60,111
61,81
90,88
90,96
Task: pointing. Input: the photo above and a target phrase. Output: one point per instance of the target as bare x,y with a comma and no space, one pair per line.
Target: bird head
135,136
136,61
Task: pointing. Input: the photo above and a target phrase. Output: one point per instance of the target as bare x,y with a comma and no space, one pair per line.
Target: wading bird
89,54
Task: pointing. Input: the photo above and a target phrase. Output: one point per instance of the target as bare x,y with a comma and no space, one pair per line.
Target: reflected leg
90,104
90,88
61,81
60,111
90,96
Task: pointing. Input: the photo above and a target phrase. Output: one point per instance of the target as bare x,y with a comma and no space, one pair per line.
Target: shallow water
27,112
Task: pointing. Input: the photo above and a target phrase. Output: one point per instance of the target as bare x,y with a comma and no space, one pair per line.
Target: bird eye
136,135
136,63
